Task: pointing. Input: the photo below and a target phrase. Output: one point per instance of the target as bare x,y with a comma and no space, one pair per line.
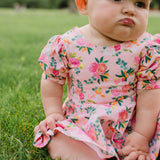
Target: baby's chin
125,38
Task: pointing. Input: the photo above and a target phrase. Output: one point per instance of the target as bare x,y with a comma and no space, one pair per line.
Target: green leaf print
80,85
131,70
122,64
86,82
45,66
53,62
77,70
97,130
103,77
120,125
120,99
156,47
101,60
108,91
128,50
94,79
158,135
129,110
73,55
89,81
147,82
89,50
147,59
90,109
74,120
98,81
80,47
108,111
105,61
125,74
97,60
147,48
122,75
46,76
91,101
152,71
83,47
118,53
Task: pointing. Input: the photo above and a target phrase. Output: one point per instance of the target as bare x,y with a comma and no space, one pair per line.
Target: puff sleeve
53,61
148,74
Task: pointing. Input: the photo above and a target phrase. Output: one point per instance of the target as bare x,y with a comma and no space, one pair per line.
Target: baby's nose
128,8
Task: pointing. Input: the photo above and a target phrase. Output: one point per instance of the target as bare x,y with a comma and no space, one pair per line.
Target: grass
22,37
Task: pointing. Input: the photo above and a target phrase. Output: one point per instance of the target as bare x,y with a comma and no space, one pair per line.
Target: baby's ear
82,6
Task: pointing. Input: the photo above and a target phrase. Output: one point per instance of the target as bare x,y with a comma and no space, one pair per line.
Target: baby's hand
48,122
136,147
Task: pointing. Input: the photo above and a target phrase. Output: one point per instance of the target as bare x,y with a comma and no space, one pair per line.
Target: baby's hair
81,4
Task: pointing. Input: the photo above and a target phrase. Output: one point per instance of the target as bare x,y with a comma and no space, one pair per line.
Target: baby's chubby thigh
66,148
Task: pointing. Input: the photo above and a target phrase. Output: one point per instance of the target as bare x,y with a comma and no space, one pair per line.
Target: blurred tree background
35,3
50,4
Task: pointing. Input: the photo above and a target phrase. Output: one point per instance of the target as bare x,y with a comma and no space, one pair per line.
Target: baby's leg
66,148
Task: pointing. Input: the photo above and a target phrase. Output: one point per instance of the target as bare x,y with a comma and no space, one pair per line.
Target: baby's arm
147,111
51,94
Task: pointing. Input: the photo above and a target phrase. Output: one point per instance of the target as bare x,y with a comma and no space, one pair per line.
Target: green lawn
22,36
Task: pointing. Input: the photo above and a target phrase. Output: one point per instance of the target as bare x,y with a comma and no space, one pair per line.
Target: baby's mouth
127,21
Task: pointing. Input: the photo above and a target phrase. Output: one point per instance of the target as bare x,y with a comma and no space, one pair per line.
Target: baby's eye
117,0
140,4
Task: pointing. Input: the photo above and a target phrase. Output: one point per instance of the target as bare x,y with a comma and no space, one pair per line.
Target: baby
113,69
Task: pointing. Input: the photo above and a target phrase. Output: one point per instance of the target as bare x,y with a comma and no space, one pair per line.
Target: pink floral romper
102,84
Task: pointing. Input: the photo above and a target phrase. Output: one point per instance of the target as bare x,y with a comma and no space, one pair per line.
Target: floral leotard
102,85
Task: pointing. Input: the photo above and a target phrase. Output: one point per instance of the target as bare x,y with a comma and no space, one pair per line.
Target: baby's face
120,20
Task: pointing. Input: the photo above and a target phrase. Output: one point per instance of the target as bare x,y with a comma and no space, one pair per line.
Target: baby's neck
96,38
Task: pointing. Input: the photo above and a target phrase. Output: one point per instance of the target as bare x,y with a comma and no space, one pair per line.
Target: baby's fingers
126,151
43,127
132,156
51,123
36,129
143,157
52,119
137,155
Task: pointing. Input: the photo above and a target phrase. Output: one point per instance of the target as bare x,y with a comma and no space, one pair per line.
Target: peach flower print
101,69
123,115
125,89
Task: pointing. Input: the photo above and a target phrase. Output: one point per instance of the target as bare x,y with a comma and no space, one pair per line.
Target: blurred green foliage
51,3
35,3
155,4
